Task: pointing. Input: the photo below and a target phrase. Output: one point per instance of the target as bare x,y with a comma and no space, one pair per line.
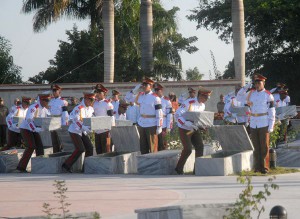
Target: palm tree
238,32
146,31
49,11
109,40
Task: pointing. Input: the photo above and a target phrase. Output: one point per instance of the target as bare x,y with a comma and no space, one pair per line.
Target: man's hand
158,130
195,127
86,129
15,126
270,130
188,124
37,129
168,130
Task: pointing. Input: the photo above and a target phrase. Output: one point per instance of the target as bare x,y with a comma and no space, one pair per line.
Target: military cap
204,91
259,77
100,88
55,87
148,81
115,92
89,95
26,99
44,96
157,86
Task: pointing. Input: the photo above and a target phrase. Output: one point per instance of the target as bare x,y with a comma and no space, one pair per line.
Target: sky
32,51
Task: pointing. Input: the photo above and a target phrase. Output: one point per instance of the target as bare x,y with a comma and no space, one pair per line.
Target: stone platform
51,164
202,211
112,163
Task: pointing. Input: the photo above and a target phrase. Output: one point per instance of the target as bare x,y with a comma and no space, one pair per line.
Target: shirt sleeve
158,111
271,111
180,111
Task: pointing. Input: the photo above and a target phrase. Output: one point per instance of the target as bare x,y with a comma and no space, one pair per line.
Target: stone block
65,140
286,112
120,122
51,164
200,119
125,139
240,111
98,122
48,123
111,163
201,211
46,138
288,157
164,162
9,160
236,154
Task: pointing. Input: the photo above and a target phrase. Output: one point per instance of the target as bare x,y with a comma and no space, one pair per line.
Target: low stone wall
10,92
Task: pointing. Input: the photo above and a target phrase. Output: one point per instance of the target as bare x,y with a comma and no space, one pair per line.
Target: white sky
32,51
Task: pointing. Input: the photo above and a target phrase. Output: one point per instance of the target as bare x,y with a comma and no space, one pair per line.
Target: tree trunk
146,31
238,33
109,40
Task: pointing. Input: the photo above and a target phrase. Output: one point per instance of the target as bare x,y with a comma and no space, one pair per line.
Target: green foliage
173,139
275,135
250,202
9,72
273,32
193,74
83,46
60,194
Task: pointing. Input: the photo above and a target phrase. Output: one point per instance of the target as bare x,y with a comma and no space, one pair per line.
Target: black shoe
21,170
179,172
265,171
66,168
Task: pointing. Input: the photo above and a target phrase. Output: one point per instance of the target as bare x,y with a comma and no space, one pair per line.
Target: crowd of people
150,110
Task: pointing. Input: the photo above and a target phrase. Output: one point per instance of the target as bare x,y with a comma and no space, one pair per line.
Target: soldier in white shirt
274,91
58,107
30,133
14,136
17,103
78,131
115,101
133,111
190,134
284,123
122,110
102,107
191,95
151,118
262,122
167,116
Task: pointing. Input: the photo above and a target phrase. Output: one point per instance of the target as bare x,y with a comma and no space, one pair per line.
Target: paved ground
116,196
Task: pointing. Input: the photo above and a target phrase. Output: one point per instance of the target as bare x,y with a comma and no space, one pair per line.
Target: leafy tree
273,32
193,74
85,45
9,72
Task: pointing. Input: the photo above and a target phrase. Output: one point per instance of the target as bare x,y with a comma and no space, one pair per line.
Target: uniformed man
191,95
284,123
167,116
102,107
58,108
17,103
262,121
190,134
115,100
79,132
274,91
151,118
133,111
122,111
3,127
30,133
14,136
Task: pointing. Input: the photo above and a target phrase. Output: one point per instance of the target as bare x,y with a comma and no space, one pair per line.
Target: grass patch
276,171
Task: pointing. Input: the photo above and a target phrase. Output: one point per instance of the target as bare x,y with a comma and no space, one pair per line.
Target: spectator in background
3,113
221,104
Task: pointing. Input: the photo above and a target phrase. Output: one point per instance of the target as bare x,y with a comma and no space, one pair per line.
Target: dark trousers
82,144
162,143
189,139
55,142
148,139
13,140
3,129
103,142
32,142
260,139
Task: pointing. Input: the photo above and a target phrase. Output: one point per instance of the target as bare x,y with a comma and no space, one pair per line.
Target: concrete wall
10,92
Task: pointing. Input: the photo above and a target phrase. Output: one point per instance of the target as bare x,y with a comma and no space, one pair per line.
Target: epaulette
268,92
166,98
252,89
232,97
18,107
141,93
277,100
154,94
107,100
36,106
62,98
80,107
191,101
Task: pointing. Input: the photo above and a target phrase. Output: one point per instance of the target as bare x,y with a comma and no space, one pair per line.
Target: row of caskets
236,154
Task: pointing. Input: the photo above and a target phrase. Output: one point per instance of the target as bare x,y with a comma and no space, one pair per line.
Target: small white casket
98,122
